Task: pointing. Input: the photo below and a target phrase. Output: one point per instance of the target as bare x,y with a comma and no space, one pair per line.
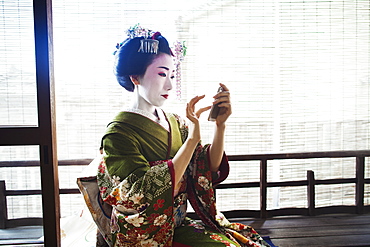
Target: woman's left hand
223,99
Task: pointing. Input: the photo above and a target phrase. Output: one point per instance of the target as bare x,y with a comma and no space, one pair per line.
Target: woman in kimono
154,163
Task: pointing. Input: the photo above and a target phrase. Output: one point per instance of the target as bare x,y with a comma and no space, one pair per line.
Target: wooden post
43,28
3,206
263,188
311,192
360,184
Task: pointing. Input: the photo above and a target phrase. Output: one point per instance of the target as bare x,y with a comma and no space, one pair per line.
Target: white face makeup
153,87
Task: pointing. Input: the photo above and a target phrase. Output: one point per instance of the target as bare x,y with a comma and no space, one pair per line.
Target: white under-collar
161,119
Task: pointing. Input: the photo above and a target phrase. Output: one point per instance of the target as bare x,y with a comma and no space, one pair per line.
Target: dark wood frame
263,184
43,135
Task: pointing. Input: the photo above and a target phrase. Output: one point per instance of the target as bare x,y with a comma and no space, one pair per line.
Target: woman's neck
143,105
150,109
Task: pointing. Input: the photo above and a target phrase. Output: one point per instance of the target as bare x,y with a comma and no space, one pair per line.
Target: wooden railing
359,180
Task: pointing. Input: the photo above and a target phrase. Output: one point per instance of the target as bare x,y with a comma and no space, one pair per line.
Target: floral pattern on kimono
202,198
136,178
142,211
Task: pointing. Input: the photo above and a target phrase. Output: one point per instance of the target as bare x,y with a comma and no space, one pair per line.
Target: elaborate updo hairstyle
131,61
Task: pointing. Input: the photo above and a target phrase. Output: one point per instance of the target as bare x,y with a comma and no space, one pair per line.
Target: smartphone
215,109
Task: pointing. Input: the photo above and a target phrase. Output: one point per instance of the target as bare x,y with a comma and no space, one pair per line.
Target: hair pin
149,46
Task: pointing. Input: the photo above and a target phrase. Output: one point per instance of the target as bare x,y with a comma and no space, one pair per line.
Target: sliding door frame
43,135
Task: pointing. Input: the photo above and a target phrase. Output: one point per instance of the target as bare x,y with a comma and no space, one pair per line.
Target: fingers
224,87
189,111
225,108
222,97
195,100
190,108
201,110
224,92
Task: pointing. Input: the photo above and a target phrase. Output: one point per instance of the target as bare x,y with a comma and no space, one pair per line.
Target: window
18,105
298,72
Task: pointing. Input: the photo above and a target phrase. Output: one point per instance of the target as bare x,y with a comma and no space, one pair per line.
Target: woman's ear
135,79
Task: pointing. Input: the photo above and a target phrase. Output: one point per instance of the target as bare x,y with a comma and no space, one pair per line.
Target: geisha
153,163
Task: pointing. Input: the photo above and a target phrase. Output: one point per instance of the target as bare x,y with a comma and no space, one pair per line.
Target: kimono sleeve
201,184
141,195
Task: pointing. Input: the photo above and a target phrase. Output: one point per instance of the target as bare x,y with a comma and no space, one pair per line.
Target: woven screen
298,73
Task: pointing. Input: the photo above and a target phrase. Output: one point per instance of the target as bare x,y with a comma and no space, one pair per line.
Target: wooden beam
16,136
360,184
29,163
304,155
31,221
3,206
311,193
46,114
263,188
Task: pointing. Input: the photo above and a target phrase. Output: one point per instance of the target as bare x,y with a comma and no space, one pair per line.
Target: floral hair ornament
147,45
150,44
179,54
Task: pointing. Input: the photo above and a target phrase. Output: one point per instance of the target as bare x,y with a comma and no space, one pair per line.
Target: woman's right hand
193,116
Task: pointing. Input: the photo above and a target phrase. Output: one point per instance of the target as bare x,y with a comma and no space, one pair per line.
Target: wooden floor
328,230
22,236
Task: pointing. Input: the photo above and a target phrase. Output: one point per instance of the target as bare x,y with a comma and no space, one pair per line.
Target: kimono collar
161,119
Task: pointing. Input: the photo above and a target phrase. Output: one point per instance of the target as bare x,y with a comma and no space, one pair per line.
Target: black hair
129,61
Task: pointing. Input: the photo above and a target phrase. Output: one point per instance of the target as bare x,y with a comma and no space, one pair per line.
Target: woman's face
154,86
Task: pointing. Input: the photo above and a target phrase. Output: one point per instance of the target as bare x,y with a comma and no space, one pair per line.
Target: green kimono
136,178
